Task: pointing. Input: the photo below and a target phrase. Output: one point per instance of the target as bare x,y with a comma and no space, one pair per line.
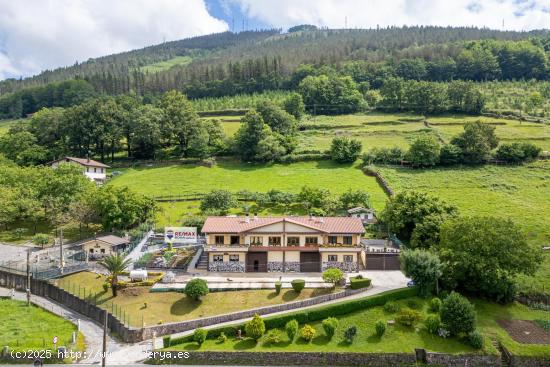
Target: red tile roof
322,224
83,161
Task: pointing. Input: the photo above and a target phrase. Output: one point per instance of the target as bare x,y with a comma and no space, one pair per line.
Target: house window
311,241
348,258
332,240
235,240
348,240
332,258
274,241
87,169
293,241
102,250
91,251
217,258
256,240
95,170
234,258
218,240
101,170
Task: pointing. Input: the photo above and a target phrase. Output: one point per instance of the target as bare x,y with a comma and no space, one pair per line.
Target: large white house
94,170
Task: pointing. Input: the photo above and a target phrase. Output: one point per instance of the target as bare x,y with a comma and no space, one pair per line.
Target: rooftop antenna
243,25
346,22
502,23
233,24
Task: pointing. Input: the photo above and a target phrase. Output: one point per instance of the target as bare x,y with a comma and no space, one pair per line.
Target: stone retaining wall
227,266
344,266
519,361
328,359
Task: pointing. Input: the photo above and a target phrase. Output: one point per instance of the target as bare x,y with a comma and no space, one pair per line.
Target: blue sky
45,34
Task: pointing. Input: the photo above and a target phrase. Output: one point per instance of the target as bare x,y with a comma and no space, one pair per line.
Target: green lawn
163,307
520,193
236,176
398,338
165,65
5,125
72,232
32,327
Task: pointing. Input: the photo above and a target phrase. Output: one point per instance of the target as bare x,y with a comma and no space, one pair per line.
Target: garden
177,258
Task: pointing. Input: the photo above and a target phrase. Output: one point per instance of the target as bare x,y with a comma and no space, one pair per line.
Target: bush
329,325
458,314
105,287
380,328
358,283
391,307
345,150
199,336
222,338
432,324
475,339
350,333
434,305
291,329
273,337
408,317
413,304
298,285
307,332
166,341
196,288
278,286
333,275
255,328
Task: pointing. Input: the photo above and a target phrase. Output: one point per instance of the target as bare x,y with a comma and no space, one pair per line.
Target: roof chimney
321,220
255,216
247,218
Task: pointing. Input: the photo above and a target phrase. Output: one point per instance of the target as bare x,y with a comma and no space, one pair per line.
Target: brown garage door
256,262
383,262
310,262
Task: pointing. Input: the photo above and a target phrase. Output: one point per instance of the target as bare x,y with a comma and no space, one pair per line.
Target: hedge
358,283
310,315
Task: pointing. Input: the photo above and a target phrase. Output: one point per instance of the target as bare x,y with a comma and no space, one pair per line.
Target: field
31,327
235,176
138,305
71,232
397,338
165,65
5,125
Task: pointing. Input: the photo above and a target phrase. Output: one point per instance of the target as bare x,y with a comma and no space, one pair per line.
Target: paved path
136,253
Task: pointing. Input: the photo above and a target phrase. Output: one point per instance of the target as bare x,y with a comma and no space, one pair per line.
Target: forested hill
254,61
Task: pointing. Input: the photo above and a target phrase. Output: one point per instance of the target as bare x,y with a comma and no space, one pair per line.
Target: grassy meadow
167,64
5,125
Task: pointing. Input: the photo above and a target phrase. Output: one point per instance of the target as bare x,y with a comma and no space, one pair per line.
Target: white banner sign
180,234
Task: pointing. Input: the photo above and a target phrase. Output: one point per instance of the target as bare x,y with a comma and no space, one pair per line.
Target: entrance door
310,262
256,261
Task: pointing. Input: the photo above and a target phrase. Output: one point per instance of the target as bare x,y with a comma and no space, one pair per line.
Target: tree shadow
290,295
191,346
321,340
272,295
244,344
184,306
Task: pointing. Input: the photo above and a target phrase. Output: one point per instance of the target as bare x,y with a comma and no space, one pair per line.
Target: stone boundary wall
328,359
133,335
520,361
380,179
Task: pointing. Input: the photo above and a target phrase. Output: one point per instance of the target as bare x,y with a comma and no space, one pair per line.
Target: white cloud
40,34
517,14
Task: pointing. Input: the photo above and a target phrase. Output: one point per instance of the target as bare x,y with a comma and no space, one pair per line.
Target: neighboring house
366,214
104,246
94,170
293,243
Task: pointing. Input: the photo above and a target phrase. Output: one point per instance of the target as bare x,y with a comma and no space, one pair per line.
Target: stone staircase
202,264
504,357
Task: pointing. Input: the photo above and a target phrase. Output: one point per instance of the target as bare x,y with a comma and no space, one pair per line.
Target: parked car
411,283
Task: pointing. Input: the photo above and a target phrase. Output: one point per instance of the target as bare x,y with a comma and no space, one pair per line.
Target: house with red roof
94,170
283,244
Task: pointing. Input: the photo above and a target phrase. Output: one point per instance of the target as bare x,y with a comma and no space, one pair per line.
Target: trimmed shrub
458,314
380,328
298,285
408,317
307,332
166,341
358,283
434,305
255,328
278,286
350,333
291,329
329,325
475,339
273,337
199,336
391,307
196,288
333,275
105,287
222,338
432,324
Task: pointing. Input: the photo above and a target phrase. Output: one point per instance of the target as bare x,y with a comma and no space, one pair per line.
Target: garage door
256,262
383,262
310,262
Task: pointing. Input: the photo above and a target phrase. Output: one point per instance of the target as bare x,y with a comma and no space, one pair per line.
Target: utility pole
28,276
61,260
104,354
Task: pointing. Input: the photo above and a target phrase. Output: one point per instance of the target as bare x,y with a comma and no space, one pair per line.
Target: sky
44,34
